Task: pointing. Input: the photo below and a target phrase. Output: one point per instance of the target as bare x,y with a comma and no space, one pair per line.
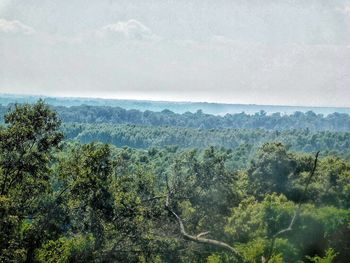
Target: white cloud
15,27
130,30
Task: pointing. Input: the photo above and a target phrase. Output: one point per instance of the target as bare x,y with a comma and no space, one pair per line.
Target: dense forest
138,136
189,188
262,120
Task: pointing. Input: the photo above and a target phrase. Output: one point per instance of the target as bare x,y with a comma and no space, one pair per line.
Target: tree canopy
81,201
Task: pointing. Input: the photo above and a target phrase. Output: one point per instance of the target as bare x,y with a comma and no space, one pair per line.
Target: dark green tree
27,141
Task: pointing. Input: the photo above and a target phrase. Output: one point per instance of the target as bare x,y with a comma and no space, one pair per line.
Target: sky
278,52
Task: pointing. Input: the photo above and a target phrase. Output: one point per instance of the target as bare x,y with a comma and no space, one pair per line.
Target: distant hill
177,107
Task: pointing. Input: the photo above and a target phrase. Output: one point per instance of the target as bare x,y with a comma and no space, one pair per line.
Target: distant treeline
261,120
177,107
136,136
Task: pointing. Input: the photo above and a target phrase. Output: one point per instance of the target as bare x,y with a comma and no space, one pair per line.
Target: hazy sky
294,52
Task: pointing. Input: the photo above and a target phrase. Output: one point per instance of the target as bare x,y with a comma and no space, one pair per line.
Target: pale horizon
170,100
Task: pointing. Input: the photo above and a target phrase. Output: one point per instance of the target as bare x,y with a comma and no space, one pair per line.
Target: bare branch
297,210
198,237
203,234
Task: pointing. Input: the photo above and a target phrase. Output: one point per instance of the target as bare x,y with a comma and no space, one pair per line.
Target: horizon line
165,101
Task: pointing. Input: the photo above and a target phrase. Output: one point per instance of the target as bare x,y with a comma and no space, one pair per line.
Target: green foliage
27,143
31,132
271,170
75,249
253,251
328,258
277,259
213,259
10,240
245,223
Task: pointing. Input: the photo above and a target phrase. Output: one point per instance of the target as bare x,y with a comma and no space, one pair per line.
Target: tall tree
27,140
